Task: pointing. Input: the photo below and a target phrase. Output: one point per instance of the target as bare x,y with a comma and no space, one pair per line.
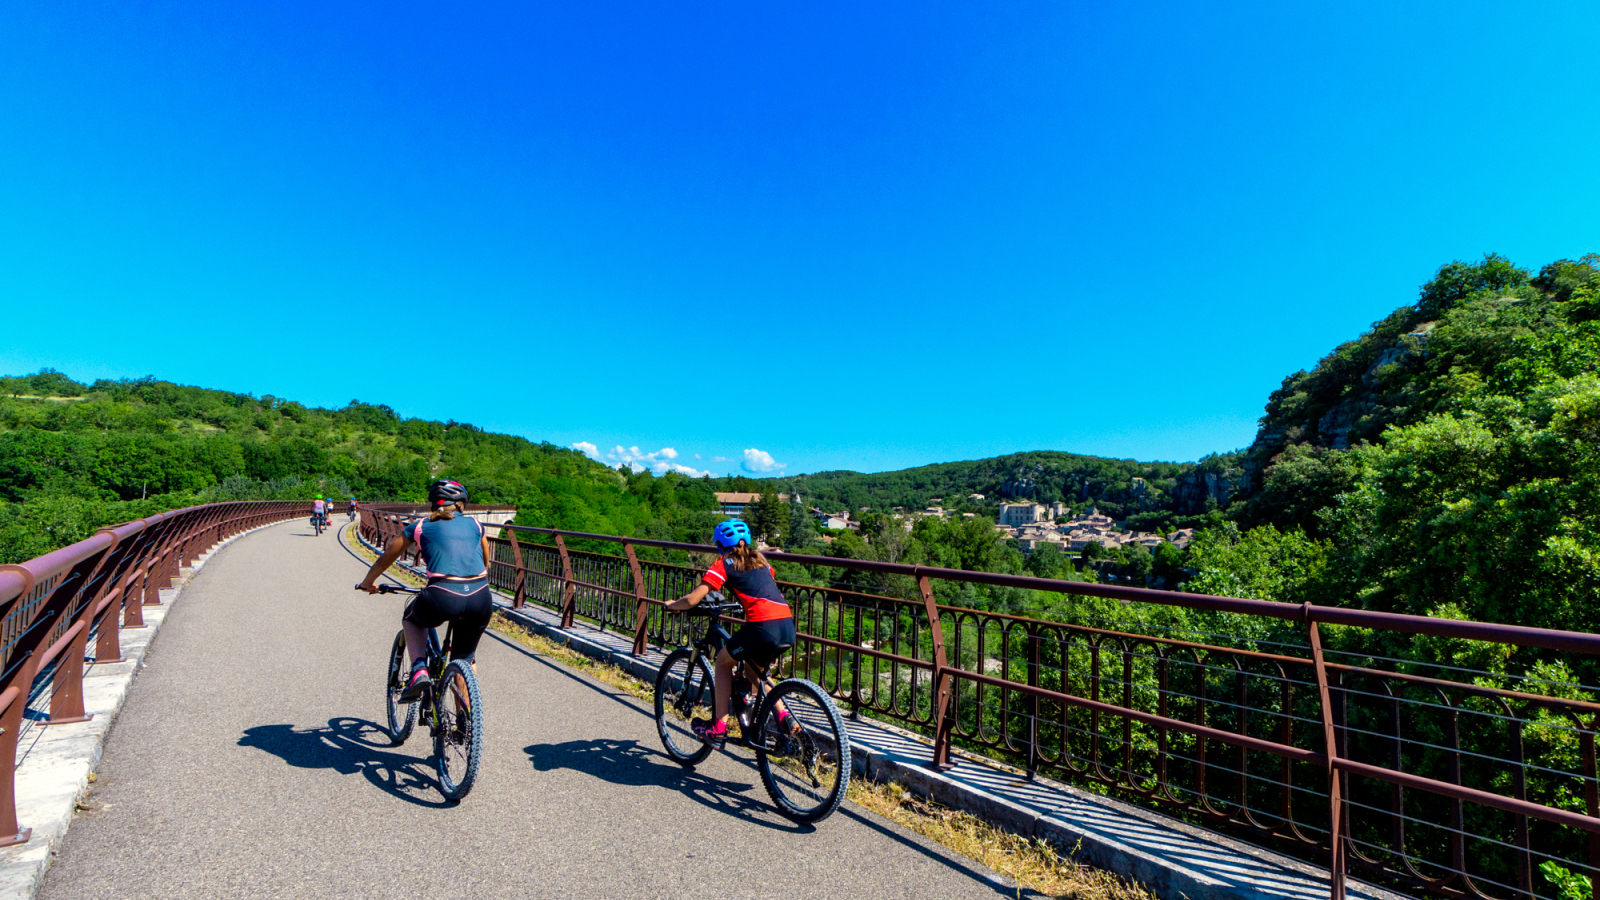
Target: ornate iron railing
1435,784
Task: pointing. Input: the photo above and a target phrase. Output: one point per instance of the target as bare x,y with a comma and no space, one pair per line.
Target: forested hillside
1445,463
77,456
1120,488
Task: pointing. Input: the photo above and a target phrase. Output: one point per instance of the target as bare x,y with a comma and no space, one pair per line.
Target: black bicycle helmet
445,492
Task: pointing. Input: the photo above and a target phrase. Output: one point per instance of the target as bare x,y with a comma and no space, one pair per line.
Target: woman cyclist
456,552
319,508
769,623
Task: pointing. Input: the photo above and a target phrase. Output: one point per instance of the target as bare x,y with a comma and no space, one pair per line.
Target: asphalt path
249,761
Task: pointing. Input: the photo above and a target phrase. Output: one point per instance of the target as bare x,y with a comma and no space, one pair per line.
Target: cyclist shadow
628,764
350,746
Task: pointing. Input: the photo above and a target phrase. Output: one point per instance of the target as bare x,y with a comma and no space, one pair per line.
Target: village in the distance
1029,524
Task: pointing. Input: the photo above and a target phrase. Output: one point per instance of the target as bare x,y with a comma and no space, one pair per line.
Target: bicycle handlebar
393,589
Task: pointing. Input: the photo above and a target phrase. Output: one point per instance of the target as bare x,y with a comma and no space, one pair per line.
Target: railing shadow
350,746
628,764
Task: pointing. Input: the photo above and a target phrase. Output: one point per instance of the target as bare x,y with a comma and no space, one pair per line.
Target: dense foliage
74,457
1443,464
1120,488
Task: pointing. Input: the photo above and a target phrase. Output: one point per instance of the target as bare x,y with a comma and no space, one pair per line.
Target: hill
1150,495
77,456
1445,463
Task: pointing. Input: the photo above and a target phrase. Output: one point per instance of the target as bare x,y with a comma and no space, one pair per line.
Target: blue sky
778,237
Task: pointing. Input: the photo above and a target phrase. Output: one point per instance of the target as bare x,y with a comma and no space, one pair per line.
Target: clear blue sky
853,235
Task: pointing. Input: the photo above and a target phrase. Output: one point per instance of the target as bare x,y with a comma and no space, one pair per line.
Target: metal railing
53,606
1441,785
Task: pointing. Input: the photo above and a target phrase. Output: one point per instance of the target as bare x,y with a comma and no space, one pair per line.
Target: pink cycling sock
721,727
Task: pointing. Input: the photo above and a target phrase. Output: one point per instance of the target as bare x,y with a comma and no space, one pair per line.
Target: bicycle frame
717,637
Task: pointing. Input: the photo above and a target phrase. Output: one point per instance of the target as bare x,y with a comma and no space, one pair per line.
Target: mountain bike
454,714
804,763
316,523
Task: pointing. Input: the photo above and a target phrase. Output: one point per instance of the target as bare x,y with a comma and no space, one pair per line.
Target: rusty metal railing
53,606
1436,783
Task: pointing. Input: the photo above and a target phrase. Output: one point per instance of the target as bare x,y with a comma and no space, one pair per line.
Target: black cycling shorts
469,613
759,643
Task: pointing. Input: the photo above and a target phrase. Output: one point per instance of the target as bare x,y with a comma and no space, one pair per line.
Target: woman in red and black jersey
769,625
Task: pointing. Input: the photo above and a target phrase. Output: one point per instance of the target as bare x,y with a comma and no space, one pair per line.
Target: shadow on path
349,746
627,764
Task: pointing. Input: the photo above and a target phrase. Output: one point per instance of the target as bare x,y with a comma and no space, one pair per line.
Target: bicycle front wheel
805,760
458,744
402,715
683,692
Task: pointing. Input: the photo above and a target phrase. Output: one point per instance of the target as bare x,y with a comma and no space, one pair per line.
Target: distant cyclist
351,508
456,552
769,623
319,508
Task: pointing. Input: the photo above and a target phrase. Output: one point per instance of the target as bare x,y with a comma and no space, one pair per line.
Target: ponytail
447,511
746,557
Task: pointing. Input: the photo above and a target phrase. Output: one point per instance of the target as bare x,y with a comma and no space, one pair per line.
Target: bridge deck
248,761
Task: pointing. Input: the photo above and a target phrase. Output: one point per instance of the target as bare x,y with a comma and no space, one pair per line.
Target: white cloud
690,471
760,461
659,461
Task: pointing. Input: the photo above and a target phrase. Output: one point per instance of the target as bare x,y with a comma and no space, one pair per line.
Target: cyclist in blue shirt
456,552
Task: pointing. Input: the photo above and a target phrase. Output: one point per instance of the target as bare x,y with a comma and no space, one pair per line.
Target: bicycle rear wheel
458,744
402,716
683,692
805,763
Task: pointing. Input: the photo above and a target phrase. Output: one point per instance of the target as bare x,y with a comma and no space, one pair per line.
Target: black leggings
469,613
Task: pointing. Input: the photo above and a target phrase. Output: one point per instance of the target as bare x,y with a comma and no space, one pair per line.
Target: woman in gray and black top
456,552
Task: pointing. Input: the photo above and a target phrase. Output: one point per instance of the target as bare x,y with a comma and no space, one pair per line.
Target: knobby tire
679,691
821,749
402,716
458,744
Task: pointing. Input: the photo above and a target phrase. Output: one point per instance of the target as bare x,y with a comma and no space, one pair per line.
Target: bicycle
316,523
804,765
455,723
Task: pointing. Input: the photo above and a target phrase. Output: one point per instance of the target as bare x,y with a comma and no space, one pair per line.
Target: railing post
569,595
517,597
66,702
639,595
1033,701
943,715
10,729
1336,862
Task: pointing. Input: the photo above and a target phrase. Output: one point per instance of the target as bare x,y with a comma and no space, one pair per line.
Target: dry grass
1032,863
588,665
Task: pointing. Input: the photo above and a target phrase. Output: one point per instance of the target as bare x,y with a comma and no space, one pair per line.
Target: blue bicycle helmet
729,533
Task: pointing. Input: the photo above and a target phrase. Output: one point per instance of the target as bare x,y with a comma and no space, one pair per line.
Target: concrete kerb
54,763
1176,860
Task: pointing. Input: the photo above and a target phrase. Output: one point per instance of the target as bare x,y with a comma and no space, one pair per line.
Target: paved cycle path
249,761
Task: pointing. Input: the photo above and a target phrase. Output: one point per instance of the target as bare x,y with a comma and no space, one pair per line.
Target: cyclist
350,509
769,623
456,552
318,508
